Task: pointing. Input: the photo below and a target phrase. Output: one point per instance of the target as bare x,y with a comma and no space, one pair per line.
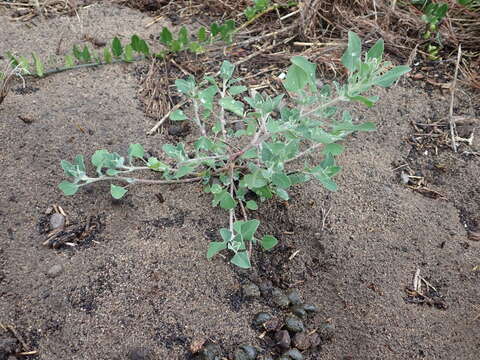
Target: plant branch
222,110
232,210
303,153
324,105
161,182
198,121
452,99
142,181
87,65
200,159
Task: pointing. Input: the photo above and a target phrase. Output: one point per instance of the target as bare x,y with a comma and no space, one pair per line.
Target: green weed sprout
250,146
433,14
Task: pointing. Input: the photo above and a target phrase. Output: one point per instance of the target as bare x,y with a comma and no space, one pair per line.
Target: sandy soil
143,280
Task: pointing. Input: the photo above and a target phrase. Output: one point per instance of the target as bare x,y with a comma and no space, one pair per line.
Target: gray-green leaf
214,248
235,90
252,205
281,180
136,151
226,70
230,104
351,57
391,76
376,51
178,115
241,260
38,65
268,242
117,191
227,202
68,188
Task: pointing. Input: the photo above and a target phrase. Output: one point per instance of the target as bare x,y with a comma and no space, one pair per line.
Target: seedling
184,41
433,14
136,50
258,7
249,147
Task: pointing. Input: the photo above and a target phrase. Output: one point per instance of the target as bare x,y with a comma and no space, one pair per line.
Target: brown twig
452,98
165,117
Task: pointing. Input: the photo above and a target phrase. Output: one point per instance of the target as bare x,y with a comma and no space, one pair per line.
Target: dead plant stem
452,99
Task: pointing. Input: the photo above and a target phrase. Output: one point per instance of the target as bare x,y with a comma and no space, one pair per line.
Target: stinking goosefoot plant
254,153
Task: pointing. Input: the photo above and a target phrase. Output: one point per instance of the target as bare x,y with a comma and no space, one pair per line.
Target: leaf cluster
243,232
258,7
250,145
196,44
136,49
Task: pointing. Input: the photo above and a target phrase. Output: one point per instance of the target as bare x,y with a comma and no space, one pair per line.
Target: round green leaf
281,180
269,241
117,191
241,260
252,205
68,188
227,202
177,115
136,151
214,248
282,194
112,172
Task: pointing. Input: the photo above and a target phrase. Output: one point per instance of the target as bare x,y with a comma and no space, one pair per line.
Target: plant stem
324,105
198,121
256,140
231,211
160,182
222,110
303,153
214,157
142,181
87,65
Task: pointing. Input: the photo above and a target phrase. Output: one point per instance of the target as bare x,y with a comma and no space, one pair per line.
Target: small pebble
310,308
282,339
404,177
294,324
301,341
57,221
8,346
279,298
251,291
239,354
327,332
294,354
294,297
272,324
314,340
55,270
266,287
197,344
250,351
177,130
299,311
261,318
210,352
140,353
